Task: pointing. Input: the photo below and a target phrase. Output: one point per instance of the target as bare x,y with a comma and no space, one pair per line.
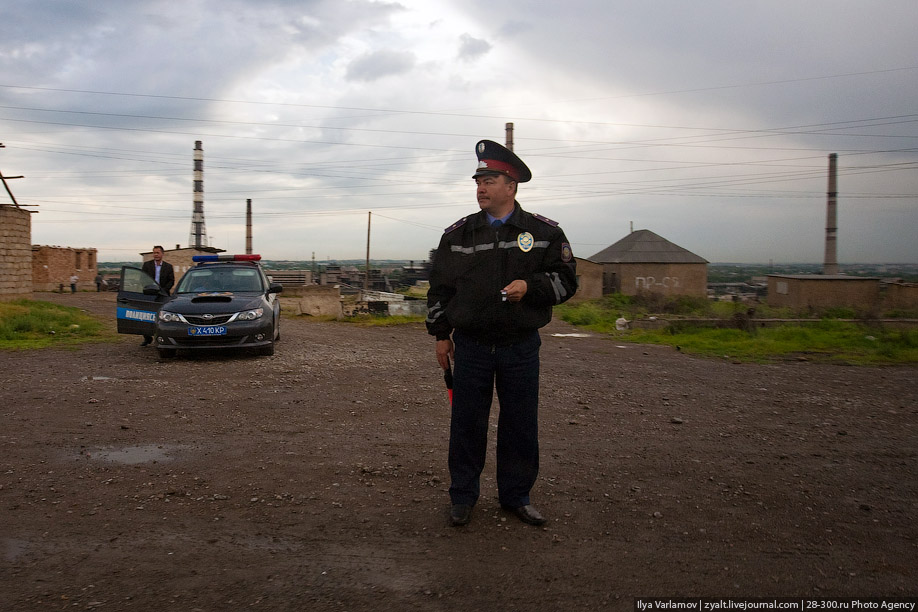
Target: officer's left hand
516,290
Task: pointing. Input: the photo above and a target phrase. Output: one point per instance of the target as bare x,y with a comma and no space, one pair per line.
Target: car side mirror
275,288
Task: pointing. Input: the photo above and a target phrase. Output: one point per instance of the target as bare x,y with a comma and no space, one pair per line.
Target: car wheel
166,353
267,350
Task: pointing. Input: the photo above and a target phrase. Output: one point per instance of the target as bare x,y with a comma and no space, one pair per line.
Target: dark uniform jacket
166,274
475,261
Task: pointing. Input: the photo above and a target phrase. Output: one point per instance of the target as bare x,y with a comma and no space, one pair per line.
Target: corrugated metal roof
643,246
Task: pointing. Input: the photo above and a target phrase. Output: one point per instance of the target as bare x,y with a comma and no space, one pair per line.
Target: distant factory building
644,263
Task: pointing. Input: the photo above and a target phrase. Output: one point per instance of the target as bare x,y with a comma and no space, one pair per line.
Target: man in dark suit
160,271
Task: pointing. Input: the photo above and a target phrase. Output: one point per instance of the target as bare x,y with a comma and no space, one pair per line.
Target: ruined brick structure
52,267
15,253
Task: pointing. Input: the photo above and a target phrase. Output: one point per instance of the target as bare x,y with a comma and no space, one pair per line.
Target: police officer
495,277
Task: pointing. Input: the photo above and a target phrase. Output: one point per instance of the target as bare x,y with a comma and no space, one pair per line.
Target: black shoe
528,514
460,514
146,341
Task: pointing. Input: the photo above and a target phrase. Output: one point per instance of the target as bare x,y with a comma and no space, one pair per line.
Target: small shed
820,291
643,262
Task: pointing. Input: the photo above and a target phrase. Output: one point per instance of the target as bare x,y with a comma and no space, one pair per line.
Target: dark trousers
514,370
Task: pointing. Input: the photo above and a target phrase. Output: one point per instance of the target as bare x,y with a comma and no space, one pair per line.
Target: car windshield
216,278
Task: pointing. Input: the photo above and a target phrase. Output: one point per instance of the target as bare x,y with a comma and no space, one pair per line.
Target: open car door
139,300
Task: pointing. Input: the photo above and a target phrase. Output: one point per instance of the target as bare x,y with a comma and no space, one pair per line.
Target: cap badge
525,242
481,147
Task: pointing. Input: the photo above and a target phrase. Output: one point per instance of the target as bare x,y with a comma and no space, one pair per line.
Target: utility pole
366,279
248,227
5,185
830,262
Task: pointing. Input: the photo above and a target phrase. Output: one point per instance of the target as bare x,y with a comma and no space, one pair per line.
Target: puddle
571,335
133,455
87,378
14,548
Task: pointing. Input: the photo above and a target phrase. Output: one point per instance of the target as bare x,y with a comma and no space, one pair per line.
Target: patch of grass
27,324
414,292
839,312
825,339
366,320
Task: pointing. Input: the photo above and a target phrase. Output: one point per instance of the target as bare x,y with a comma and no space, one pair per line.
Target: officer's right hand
445,352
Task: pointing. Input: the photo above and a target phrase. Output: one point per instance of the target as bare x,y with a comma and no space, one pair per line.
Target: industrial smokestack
198,236
248,227
509,128
830,264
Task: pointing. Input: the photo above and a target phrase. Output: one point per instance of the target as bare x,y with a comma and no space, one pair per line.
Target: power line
455,114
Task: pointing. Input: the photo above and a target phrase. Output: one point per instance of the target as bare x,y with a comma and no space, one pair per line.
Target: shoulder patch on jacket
456,225
545,220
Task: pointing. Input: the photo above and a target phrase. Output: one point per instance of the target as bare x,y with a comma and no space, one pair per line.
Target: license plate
211,330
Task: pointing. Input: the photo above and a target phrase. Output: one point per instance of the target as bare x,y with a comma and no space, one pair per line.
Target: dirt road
316,479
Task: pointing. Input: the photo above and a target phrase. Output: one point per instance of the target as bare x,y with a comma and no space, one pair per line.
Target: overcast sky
708,122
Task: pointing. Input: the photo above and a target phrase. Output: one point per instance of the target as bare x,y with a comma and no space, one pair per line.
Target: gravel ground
316,479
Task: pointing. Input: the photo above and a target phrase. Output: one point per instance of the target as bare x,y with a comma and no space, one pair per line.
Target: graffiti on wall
650,283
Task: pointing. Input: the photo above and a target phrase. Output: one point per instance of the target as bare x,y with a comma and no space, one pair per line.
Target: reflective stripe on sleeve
434,312
472,249
555,280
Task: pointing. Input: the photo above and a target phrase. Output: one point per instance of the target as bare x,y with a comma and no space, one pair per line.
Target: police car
225,301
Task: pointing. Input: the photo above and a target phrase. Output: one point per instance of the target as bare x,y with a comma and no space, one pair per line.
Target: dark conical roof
643,246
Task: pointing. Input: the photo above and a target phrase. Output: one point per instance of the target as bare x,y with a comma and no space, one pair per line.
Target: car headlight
171,317
251,315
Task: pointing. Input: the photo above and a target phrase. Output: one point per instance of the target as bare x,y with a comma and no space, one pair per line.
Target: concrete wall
52,266
589,280
662,278
314,300
816,293
408,308
901,296
15,253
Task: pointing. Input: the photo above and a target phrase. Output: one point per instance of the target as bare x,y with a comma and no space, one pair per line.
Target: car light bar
200,258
